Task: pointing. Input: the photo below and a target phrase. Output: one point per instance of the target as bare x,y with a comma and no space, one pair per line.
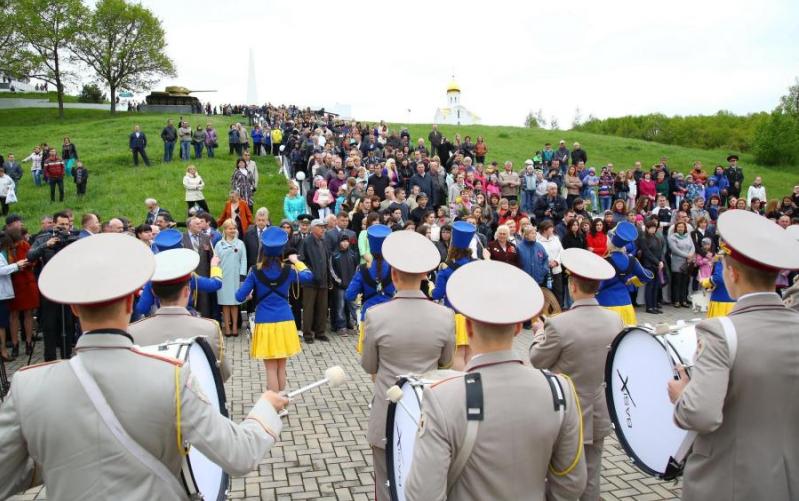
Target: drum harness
475,414
379,284
676,463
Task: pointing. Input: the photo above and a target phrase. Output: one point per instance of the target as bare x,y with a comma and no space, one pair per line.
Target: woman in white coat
194,184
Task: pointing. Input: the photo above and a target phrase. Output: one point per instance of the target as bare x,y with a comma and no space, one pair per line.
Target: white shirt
6,184
758,192
553,247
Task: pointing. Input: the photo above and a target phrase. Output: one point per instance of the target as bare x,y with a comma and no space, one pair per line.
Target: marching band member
170,285
503,430
407,335
613,293
169,240
720,301
569,344
274,337
112,421
373,281
459,254
746,445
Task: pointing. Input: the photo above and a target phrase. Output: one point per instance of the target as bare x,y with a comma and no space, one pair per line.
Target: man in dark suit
333,236
195,239
313,253
252,237
90,223
138,143
153,211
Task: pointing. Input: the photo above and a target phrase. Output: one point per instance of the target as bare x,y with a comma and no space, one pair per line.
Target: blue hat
462,233
168,239
273,240
376,234
625,232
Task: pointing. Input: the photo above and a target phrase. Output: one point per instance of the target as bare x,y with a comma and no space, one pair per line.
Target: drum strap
115,427
731,337
474,414
558,397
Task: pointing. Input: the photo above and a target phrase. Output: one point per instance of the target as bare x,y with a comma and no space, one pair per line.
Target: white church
454,113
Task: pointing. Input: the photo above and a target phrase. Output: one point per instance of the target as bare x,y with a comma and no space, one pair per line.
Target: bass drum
637,370
201,477
402,422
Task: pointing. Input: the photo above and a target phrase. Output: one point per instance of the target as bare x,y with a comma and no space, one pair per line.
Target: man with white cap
170,284
114,421
503,430
406,335
570,344
741,398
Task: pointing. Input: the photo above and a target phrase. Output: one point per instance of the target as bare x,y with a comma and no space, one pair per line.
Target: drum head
683,343
401,436
210,479
637,370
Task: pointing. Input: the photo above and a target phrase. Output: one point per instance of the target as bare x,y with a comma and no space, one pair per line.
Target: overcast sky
384,58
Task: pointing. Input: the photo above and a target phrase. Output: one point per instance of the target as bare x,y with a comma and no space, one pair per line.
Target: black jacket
570,241
556,205
651,249
313,253
251,245
343,266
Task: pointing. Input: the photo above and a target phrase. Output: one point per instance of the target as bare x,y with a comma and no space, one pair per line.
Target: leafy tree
530,121
15,57
776,139
553,122
91,93
48,29
789,103
125,45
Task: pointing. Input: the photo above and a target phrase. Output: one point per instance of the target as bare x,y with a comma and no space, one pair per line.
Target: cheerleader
372,282
614,293
274,337
720,301
459,254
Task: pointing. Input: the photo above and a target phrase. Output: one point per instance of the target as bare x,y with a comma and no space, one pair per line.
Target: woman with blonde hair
194,184
392,173
233,261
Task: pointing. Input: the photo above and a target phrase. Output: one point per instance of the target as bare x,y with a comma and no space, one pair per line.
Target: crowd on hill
345,176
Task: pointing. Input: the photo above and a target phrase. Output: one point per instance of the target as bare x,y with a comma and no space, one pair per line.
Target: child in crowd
343,266
323,198
605,189
81,176
704,260
529,184
590,189
714,205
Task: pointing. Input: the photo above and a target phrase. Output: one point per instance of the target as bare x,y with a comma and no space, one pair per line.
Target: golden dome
453,86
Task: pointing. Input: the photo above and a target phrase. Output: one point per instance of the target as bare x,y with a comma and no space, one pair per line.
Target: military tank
175,95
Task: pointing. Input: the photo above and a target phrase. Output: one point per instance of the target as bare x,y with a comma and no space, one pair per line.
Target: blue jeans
184,150
209,150
37,177
605,203
345,312
198,150
528,201
169,148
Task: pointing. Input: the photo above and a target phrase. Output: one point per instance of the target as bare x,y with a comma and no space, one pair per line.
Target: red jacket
598,244
244,215
54,169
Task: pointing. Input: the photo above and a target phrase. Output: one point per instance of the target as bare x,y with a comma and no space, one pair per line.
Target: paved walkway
323,453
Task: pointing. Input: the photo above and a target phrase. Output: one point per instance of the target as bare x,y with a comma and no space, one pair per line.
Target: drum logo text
628,399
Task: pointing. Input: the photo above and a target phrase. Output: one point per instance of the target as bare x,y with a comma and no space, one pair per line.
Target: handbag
688,267
11,196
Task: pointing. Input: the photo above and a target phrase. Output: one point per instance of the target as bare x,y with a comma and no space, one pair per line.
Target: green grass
51,96
116,188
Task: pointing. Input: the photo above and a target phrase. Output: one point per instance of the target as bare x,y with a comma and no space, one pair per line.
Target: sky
393,60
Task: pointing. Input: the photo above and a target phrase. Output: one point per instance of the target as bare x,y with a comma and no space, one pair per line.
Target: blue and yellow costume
275,334
168,240
374,288
462,234
614,294
721,303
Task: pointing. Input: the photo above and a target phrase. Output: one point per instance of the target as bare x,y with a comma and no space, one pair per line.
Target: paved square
323,453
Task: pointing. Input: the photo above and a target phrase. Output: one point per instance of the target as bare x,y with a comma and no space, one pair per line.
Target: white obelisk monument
252,92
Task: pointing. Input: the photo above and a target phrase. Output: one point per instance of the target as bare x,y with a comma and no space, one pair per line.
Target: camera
64,238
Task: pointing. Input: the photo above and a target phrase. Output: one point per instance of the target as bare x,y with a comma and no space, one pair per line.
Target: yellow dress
275,340
626,312
719,309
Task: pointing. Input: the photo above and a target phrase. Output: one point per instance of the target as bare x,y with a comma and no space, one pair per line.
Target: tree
789,103
125,45
539,117
15,57
530,121
48,29
91,93
578,118
553,122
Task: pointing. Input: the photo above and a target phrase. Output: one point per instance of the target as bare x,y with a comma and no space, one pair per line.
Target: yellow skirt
275,340
461,337
719,309
359,346
627,313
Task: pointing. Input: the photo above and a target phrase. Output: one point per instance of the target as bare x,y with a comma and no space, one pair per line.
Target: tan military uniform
519,444
407,335
48,420
574,343
175,322
746,415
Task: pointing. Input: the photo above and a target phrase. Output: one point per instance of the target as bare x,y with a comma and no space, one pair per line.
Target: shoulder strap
731,336
273,284
474,414
558,397
115,427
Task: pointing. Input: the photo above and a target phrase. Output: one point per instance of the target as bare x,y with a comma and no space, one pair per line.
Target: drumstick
395,394
334,375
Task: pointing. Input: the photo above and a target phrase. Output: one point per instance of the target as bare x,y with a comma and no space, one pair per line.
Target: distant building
455,113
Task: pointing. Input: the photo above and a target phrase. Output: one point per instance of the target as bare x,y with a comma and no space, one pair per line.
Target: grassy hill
52,96
117,188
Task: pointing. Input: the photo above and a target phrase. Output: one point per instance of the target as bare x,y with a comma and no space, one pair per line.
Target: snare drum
401,426
201,477
637,370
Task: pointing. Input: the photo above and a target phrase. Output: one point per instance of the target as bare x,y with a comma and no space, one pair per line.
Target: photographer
57,321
